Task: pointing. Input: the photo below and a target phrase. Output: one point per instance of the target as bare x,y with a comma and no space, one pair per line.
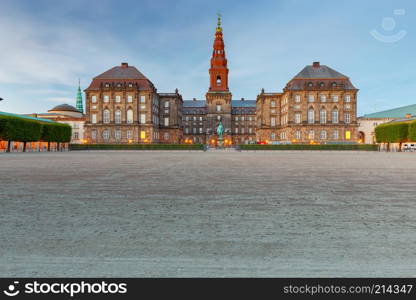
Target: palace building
318,105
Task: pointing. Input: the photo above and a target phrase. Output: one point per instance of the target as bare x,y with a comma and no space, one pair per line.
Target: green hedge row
26,130
392,132
412,131
136,147
361,147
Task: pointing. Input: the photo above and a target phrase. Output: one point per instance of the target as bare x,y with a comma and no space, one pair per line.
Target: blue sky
45,46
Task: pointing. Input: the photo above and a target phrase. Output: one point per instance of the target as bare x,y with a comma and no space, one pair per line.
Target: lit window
142,135
117,117
347,135
130,116
322,116
311,116
106,116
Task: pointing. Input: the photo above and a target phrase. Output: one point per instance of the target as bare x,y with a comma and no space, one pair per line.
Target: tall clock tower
218,95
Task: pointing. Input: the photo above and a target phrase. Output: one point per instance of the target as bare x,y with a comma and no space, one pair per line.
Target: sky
45,46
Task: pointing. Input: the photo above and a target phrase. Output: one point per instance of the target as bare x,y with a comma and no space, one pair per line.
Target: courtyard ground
133,213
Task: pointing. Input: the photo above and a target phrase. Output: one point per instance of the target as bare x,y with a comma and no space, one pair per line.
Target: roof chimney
316,64
124,65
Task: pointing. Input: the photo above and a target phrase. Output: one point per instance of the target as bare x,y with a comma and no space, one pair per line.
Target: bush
392,132
19,129
361,147
136,147
56,132
412,131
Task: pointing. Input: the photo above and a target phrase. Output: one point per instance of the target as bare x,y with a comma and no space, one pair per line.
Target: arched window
218,80
335,116
322,116
311,116
106,116
117,116
130,116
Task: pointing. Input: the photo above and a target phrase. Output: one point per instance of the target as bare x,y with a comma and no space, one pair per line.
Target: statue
220,132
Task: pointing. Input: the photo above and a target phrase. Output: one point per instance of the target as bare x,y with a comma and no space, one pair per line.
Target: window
322,116
335,98
311,98
166,122
322,135
236,119
142,135
347,135
347,98
347,118
321,84
166,104
311,116
218,107
310,84
129,134
297,118
94,134
93,99
200,130
118,99
297,134
334,84
242,130
75,135
130,85
106,116
250,130
335,134
142,118
273,136
106,134
323,98
335,116
186,130
117,117
200,119
273,103
311,135
129,98
194,130
236,130
143,99
218,118
166,136
218,80
130,116
273,122
106,98
297,98
117,134
94,118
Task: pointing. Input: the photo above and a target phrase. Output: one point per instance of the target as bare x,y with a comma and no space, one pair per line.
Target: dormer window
118,84
107,85
130,85
322,84
334,84
310,84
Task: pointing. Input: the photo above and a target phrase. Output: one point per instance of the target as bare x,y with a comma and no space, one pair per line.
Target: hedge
20,129
412,131
361,147
392,132
56,132
136,147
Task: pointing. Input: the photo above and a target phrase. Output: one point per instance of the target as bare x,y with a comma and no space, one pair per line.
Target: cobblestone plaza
121,213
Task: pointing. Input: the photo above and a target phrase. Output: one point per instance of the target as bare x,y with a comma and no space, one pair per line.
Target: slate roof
194,103
64,107
319,72
399,112
243,103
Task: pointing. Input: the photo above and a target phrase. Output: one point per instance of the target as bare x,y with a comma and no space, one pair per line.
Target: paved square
208,214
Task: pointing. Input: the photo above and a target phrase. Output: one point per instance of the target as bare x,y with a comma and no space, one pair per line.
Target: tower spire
79,104
218,72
